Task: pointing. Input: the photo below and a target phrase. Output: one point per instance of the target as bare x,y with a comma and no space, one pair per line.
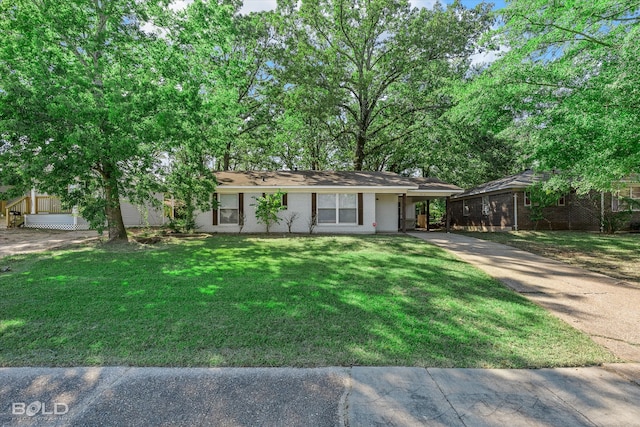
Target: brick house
504,205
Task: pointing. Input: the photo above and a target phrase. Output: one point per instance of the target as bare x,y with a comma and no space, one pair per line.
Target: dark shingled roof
312,178
293,179
434,184
514,182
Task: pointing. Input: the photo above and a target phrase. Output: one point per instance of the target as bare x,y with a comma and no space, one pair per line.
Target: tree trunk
115,223
226,160
359,158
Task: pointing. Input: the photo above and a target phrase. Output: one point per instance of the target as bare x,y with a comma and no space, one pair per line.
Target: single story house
504,205
321,201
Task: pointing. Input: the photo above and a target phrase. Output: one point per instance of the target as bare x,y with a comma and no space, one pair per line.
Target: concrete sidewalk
606,309
358,396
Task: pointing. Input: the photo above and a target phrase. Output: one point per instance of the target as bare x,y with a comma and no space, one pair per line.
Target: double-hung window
228,208
337,208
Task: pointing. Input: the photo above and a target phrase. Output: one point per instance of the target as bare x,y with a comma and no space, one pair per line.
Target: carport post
428,213
447,214
404,212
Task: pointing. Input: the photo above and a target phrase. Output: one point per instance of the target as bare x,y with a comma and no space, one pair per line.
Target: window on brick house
619,202
465,208
486,207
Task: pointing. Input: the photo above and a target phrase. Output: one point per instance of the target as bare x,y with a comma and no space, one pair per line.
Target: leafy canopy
566,89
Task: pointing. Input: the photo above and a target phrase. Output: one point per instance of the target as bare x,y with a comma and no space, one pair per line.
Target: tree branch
569,30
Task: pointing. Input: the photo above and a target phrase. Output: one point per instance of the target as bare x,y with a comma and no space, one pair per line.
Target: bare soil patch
21,240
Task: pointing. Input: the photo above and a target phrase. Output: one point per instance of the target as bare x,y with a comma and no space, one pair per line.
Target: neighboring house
504,205
36,210
322,201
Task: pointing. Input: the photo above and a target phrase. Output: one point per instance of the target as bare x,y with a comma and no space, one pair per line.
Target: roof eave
315,188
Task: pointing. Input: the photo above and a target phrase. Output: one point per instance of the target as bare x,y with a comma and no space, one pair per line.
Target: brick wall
499,217
579,213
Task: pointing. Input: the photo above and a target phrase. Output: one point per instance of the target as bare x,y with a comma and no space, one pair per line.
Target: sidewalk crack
343,405
568,404
446,398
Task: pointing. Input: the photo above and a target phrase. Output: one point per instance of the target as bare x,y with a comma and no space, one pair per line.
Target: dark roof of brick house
514,182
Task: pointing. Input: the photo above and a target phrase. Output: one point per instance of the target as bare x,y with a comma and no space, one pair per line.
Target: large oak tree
79,96
383,63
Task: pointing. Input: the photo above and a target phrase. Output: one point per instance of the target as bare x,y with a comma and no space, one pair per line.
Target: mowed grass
260,301
616,255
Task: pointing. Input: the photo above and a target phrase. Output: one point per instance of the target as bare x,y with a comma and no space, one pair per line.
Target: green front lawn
258,301
616,255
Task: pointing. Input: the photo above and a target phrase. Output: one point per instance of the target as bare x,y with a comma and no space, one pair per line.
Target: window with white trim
634,193
465,208
341,208
486,207
527,198
228,208
619,203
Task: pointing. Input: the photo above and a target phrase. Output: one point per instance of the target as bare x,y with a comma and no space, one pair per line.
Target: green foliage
542,196
461,154
616,220
378,69
221,62
565,90
79,98
267,208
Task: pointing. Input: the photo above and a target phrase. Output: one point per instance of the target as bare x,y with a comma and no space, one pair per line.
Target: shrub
267,208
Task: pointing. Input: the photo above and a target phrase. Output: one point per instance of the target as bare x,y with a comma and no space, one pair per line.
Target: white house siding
141,216
299,203
387,213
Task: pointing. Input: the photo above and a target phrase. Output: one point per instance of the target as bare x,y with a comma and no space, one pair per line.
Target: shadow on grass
257,301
